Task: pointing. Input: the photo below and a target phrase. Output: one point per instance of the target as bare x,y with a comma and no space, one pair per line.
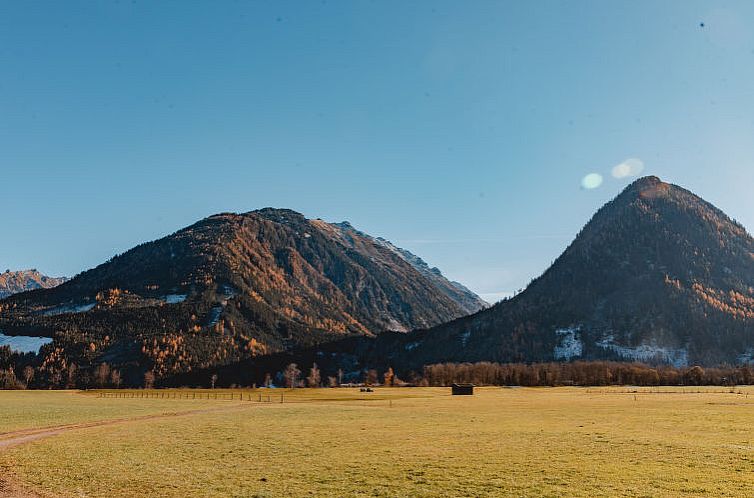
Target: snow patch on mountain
678,357
23,343
570,345
69,308
213,317
174,298
411,346
465,338
746,357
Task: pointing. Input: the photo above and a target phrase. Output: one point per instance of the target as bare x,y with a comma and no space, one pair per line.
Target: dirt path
9,488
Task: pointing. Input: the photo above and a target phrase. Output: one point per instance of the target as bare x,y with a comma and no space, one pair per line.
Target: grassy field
394,442
36,409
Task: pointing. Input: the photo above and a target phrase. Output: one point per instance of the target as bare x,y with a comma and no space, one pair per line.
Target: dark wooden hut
462,389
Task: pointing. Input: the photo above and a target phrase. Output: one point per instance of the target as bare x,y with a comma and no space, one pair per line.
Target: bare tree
28,374
340,376
56,377
213,380
102,374
332,381
148,379
371,378
291,375
8,380
115,378
314,378
71,376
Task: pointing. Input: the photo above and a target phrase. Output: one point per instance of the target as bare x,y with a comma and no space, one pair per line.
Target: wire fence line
222,396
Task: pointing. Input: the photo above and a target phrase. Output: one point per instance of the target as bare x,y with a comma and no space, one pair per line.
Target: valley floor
393,442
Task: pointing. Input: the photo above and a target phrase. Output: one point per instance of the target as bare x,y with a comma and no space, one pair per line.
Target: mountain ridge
229,287
13,282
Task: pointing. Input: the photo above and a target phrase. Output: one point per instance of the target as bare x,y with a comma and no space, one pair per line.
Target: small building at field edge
462,389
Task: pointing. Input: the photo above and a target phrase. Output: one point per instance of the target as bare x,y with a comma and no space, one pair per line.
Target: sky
479,135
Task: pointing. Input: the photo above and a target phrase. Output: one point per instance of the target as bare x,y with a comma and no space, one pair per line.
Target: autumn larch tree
70,382
388,377
102,374
291,375
314,378
148,379
115,378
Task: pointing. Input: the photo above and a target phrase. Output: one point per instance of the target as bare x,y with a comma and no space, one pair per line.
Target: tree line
582,373
20,374
578,373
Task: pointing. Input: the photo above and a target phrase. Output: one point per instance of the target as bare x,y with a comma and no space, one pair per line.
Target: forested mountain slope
230,287
658,275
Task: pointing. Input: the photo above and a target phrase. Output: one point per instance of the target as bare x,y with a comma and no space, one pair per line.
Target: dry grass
517,442
35,409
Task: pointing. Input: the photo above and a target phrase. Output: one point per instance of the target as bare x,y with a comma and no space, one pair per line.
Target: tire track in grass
9,488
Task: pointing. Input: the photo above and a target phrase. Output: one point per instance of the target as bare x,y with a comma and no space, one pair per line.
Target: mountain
468,301
658,275
13,282
234,286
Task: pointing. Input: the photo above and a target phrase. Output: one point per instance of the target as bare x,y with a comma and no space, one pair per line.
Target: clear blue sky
459,130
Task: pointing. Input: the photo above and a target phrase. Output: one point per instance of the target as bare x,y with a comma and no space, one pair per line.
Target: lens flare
591,181
629,167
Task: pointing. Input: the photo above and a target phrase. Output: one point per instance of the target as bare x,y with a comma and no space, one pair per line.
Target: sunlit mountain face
233,287
13,282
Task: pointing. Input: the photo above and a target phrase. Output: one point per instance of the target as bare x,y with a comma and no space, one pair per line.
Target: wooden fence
222,396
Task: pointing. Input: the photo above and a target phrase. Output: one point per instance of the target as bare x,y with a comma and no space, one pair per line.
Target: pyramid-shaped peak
646,182
652,187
